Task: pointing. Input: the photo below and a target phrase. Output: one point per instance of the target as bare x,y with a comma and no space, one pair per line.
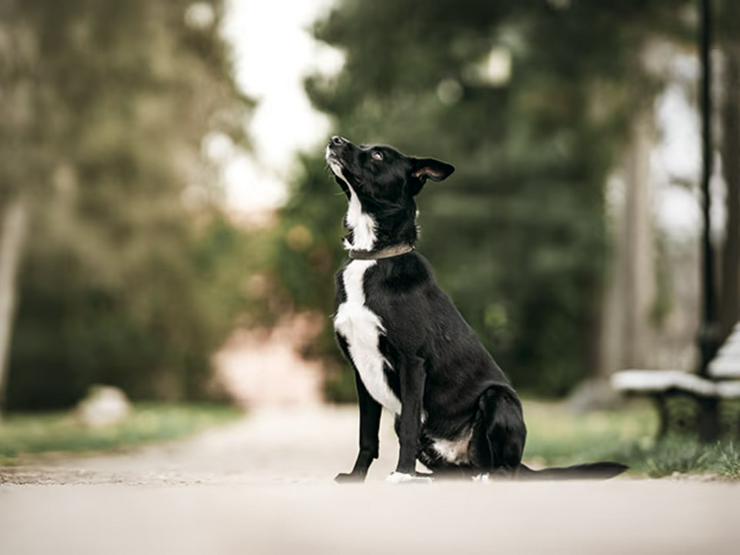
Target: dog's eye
377,156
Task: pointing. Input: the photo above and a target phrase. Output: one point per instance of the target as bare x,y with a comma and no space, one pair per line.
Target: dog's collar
387,252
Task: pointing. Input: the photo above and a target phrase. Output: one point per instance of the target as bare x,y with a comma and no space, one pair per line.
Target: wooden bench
723,384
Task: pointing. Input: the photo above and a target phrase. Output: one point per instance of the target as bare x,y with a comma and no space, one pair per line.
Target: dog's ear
436,170
429,168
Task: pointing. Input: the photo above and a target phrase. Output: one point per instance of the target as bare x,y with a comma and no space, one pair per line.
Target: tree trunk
730,269
12,234
626,330
639,260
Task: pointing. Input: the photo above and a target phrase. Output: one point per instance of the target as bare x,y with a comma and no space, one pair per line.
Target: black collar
387,252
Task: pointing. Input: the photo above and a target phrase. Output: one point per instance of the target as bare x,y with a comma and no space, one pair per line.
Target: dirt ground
263,485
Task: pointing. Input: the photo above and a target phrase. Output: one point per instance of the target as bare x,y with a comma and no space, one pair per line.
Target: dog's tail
591,471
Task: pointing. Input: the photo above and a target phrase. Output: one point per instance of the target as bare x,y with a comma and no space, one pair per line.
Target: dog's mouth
334,163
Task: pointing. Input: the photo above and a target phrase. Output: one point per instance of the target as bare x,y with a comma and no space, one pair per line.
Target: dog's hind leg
499,432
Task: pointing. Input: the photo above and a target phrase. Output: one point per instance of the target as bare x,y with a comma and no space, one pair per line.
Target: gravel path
263,485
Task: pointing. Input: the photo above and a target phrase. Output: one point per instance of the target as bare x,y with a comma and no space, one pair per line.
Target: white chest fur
361,328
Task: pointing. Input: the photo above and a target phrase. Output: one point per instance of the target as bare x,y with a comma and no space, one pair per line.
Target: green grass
25,435
556,436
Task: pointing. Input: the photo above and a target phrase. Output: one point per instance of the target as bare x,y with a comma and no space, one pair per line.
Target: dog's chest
361,328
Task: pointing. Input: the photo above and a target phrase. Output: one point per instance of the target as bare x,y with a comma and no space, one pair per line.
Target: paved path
263,485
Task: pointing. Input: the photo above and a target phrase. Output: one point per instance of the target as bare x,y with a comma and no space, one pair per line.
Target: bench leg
709,422
661,404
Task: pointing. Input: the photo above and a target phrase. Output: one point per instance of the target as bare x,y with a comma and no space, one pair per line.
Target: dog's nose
336,140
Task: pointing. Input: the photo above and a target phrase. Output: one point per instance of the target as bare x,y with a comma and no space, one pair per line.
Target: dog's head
380,184
380,174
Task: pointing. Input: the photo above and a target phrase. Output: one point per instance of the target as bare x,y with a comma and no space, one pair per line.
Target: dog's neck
376,227
379,229
379,254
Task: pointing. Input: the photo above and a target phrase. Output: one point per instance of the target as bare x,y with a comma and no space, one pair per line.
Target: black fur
438,368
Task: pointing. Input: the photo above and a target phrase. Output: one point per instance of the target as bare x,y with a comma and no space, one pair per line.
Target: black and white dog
411,350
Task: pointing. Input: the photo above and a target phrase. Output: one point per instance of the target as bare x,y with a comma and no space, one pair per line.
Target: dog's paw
484,478
344,478
401,478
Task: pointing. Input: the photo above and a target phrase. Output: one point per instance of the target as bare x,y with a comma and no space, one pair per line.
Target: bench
722,384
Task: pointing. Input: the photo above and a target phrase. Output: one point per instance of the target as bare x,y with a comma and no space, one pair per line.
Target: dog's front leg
412,377
370,411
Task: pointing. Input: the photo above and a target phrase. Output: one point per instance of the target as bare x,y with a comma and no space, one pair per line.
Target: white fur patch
456,451
401,478
361,328
361,224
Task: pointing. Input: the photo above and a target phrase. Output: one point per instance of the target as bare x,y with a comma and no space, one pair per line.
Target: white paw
482,478
401,478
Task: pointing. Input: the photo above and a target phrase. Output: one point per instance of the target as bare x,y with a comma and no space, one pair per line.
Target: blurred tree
12,235
729,43
131,275
532,101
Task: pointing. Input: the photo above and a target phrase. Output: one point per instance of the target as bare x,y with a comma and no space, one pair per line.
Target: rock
103,406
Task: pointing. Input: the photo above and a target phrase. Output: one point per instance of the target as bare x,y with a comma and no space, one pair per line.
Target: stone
103,406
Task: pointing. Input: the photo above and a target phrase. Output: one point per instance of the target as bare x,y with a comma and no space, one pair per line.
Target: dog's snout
336,140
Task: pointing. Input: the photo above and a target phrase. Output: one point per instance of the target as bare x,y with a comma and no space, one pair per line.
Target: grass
556,436
25,435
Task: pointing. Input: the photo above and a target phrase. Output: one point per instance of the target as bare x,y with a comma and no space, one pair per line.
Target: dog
411,350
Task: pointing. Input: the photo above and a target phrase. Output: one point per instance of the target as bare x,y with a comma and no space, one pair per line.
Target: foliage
532,101
22,435
131,275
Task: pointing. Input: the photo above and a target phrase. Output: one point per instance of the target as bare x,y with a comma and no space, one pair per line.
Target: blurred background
169,227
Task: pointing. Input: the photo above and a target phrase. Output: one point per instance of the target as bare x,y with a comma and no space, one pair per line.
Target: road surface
263,485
